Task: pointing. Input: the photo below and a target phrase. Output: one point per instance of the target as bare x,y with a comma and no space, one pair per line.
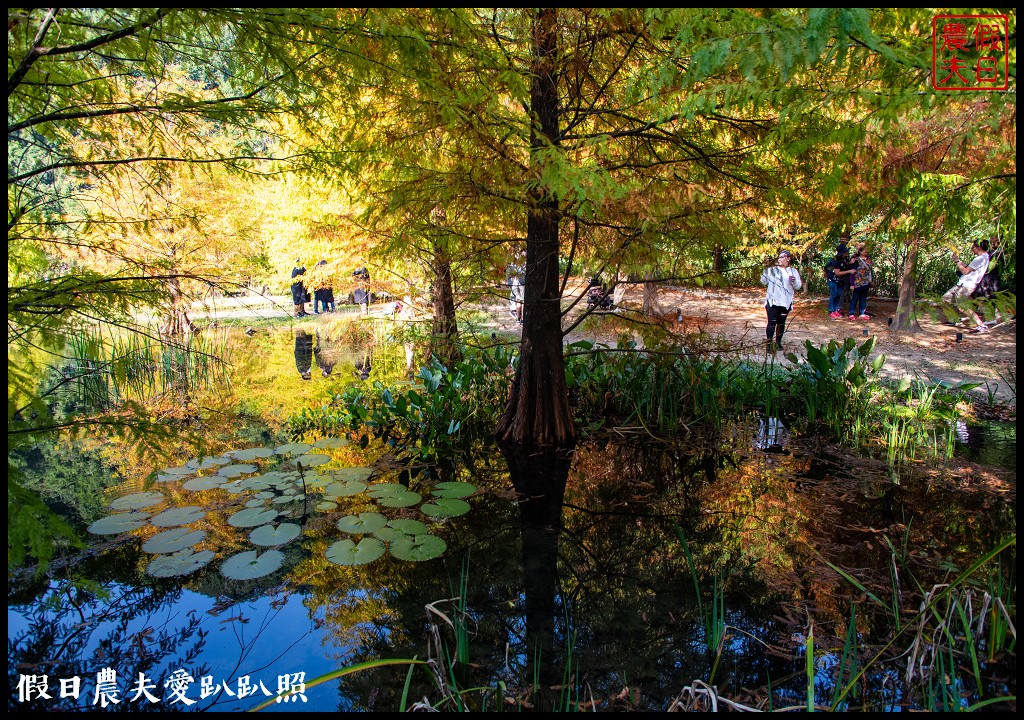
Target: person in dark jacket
323,297
299,295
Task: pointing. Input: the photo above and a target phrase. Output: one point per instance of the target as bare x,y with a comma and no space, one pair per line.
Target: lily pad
403,499
347,552
183,562
256,502
318,481
182,470
179,516
207,462
454,489
250,564
386,490
366,522
119,523
293,449
137,501
409,527
389,534
359,474
445,507
233,471
251,517
174,540
252,453
330,443
418,547
312,460
204,483
326,506
270,535
281,499
345,488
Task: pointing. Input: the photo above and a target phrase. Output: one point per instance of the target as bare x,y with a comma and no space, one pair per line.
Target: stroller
598,297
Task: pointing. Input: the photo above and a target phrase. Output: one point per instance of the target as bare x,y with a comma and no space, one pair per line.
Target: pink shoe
853,317
864,317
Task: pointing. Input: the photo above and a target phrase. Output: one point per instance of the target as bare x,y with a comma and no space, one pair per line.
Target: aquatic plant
269,499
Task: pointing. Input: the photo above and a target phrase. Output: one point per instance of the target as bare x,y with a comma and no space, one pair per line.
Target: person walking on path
782,282
970,276
861,282
837,274
299,297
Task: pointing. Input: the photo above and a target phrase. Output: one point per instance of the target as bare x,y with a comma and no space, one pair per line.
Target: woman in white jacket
782,282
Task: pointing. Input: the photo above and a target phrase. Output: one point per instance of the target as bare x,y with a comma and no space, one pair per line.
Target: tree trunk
444,335
176,320
652,307
905,319
538,413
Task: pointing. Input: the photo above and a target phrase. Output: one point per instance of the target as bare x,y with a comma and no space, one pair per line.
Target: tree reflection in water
539,478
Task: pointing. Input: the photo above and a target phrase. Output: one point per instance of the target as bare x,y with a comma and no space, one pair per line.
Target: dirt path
737,316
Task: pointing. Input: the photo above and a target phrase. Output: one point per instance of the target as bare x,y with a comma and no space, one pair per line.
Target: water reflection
772,435
303,353
574,566
539,478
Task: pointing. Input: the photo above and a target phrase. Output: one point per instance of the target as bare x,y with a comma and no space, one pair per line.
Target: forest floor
733,320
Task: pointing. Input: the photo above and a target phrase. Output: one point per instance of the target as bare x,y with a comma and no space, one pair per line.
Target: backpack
989,283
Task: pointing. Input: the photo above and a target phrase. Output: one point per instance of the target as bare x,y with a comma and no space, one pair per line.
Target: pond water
572,580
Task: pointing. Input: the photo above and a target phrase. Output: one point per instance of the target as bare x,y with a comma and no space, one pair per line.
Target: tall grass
106,369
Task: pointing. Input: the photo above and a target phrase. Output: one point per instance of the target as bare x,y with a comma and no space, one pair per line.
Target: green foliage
443,413
833,383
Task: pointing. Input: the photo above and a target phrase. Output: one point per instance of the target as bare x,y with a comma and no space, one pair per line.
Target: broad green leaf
293,449
251,564
178,516
204,483
347,488
233,471
454,489
311,460
418,547
270,535
252,517
445,507
119,523
183,562
174,540
409,526
347,552
137,501
402,499
252,453
365,522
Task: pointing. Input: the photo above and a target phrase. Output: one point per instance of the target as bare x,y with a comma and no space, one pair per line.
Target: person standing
860,284
361,295
319,292
515,300
837,274
970,276
299,290
782,282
